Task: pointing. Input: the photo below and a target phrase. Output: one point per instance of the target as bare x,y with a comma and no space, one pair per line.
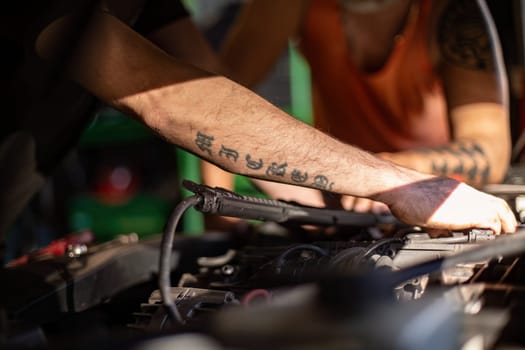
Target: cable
372,247
499,68
282,257
165,256
499,61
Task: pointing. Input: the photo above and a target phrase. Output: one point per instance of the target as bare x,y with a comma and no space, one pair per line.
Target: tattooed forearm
205,143
229,153
299,177
253,164
321,182
467,161
276,169
463,36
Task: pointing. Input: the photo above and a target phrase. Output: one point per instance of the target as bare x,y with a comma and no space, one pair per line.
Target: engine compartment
371,283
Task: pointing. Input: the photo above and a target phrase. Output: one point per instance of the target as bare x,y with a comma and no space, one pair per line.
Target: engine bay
371,282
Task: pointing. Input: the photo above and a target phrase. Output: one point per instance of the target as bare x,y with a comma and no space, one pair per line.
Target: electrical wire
372,247
166,253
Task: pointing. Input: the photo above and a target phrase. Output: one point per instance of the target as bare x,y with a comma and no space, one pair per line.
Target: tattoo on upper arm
463,36
205,143
470,162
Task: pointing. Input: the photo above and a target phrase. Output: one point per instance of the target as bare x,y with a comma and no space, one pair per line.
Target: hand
444,203
363,205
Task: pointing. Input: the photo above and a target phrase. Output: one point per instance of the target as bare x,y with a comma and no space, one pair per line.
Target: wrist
399,178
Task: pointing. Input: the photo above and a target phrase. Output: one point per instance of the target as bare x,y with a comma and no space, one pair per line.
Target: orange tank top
399,107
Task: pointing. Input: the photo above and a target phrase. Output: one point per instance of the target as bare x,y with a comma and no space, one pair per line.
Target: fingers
347,202
363,205
495,226
500,218
467,208
379,208
507,218
435,233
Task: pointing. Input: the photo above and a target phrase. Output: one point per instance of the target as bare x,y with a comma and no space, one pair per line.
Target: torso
381,97
369,43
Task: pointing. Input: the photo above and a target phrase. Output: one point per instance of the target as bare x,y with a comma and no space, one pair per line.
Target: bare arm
183,40
480,149
258,37
213,117
254,43
251,48
227,124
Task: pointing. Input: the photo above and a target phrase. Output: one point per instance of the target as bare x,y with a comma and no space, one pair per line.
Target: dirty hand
363,205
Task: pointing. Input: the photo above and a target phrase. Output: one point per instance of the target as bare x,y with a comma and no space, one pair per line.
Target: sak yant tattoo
204,142
229,153
470,163
463,36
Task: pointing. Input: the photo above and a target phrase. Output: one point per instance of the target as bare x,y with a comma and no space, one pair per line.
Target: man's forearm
220,120
474,81
258,36
227,124
479,154
235,129
464,160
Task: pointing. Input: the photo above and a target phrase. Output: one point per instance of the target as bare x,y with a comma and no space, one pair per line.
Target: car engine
362,281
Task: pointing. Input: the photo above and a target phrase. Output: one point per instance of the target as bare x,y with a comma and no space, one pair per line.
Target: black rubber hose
166,253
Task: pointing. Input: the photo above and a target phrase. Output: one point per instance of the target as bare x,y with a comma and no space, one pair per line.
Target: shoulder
459,34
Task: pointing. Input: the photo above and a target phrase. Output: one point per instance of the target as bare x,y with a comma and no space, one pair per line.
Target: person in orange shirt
147,60
417,82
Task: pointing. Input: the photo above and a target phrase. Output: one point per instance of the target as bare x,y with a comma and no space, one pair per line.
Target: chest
371,36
